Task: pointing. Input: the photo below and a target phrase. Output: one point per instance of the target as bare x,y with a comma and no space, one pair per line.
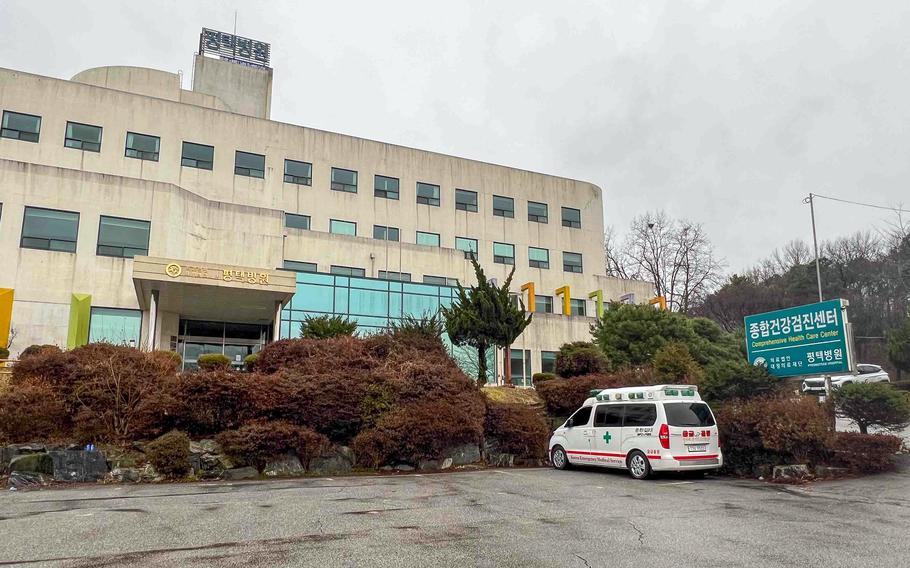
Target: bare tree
613,255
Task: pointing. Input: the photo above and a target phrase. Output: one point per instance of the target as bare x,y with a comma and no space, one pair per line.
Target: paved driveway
522,518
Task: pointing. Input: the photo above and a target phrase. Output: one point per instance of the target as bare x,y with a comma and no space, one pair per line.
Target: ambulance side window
608,416
640,415
581,417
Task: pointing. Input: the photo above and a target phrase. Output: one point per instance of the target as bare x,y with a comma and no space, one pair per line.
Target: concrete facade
227,220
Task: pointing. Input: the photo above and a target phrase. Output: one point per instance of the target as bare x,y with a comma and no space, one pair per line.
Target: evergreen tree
899,347
485,317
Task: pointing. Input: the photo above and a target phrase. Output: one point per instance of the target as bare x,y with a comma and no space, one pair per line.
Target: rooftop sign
805,340
234,48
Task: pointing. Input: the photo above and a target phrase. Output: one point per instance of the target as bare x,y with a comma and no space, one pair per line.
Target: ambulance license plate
698,447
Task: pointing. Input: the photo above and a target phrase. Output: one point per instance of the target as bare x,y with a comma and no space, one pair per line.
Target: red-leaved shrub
517,429
258,442
863,453
31,411
564,396
206,402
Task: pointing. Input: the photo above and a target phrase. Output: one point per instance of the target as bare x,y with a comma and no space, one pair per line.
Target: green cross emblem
607,437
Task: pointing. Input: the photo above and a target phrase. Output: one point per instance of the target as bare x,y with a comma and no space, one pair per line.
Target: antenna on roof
235,22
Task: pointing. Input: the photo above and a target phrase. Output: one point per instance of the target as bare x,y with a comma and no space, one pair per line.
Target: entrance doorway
234,340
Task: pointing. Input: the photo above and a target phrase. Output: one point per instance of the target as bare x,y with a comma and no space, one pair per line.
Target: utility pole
818,271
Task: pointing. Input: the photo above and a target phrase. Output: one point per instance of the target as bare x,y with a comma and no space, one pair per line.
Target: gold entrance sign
253,277
248,276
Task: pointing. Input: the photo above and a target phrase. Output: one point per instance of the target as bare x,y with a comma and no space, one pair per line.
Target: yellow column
80,313
6,315
660,301
529,288
566,300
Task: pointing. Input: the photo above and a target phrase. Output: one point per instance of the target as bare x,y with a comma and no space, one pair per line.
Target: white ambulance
642,429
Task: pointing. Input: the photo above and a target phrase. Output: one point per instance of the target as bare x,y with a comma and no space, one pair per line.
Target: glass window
579,307
543,304
299,266
48,229
581,417
396,276
466,200
342,227
115,325
469,246
427,193
124,238
608,415
18,126
548,361
347,271
521,367
538,257
197,156
503,207
503,253
385,187
537,212
637,415
344,180
142,146
83,137
688,414
295,221
571,217
428,239
440,280
300,173
571,262
250,165
384,233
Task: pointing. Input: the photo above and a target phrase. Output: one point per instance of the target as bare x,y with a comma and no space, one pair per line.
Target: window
142,146
197,156
48,229
337,227
83,137
581,417
396,276
637,415
521,367
114,325
18,126
428,239
300,173
385,187
348,271
503,253
344,180
571,262
250,165
469,246
440,280
543,304
428,194
538,257
466,200
123,238
688,414
537,212
579,307
571,217
503,207
385,233
298,266
295,221
608,415
548,362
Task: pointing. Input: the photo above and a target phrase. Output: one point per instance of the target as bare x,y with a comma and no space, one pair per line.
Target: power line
895,209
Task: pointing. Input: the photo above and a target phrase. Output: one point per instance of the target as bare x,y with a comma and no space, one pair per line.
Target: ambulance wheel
559,459
638,465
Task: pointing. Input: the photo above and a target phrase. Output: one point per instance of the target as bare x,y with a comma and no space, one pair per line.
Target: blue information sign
805,340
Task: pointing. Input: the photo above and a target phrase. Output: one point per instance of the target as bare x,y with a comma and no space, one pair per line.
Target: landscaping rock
205,447
126,474
238,473
339,460
424,465
404,467
465,454
286,466
500,460
26,479
796,471
32,463
828,471
149,473
78,465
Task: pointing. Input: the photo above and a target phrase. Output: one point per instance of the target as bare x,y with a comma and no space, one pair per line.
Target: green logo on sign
607,437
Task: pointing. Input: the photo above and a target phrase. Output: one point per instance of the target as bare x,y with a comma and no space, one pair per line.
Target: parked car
866,373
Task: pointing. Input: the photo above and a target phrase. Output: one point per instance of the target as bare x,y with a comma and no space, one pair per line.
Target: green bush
728,380
257,443
899,347
517,429
249,362
580,358
674,364
169,361
326,327
426,326
864,453
213,361
170,454
873,404
537,378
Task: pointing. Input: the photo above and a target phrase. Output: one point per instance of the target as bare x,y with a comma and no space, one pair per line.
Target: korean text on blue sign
805,340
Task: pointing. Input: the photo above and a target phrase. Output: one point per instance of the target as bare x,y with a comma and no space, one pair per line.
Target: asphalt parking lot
519,517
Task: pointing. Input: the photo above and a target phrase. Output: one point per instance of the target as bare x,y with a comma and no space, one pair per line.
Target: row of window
503,253
87,137
337,270
49,229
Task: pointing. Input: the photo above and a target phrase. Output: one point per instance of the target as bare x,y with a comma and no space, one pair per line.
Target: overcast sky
727,113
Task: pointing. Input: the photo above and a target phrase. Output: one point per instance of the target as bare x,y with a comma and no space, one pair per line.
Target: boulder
339,459
78,465
26,479
496,459
286,466
424,465
126,474
464,454
32,463
795,471
205,447
404,467
239,473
